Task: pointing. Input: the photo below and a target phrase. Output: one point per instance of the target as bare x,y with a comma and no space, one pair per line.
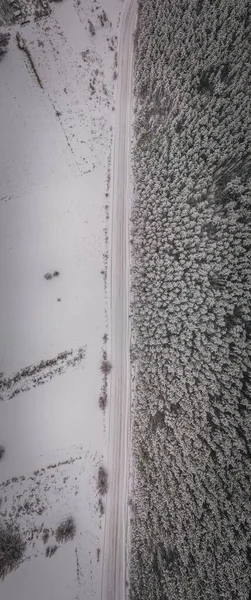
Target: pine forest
191,302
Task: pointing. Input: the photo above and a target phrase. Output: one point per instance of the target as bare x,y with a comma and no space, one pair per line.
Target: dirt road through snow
114,558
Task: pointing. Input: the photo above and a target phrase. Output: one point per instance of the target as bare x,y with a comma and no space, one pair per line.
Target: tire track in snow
113,585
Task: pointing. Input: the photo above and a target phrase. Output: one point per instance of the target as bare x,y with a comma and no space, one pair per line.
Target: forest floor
115,543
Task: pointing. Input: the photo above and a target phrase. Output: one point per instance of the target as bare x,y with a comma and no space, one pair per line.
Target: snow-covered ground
56,110
115,556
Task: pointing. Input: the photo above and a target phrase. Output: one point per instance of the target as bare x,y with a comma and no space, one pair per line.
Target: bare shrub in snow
51,275
102,401
103,18
66,530
50,550
105,366
45,535
101,507
12,548
2,451
102,481
91,28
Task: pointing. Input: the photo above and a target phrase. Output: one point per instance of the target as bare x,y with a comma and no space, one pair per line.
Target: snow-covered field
56,107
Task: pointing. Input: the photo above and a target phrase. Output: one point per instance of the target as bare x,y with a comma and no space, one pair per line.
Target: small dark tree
2,451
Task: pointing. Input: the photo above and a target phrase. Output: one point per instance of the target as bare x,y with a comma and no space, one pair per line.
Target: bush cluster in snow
191,273
66,530
4,40
12,548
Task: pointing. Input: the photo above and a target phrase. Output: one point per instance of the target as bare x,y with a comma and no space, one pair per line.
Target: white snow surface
55,145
